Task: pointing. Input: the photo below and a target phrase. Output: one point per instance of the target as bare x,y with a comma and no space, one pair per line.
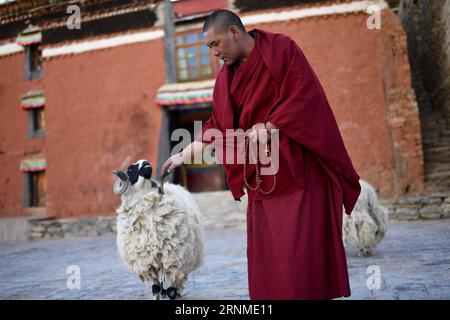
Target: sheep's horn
162,178
121,174
122,182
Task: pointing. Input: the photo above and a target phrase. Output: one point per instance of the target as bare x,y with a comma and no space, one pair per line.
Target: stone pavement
413,263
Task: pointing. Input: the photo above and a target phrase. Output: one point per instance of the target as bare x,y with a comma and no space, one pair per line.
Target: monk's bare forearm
193,149
184,156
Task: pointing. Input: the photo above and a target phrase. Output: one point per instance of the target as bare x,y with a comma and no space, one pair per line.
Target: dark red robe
294,235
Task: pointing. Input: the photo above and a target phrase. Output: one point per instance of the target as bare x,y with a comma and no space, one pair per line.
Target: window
30,39
194,59
35,189
33,62
36,122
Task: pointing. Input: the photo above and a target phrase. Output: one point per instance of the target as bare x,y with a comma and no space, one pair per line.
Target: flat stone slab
413,262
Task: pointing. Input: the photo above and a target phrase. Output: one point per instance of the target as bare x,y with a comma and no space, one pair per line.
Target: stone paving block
432,201
445,210
406,213
430,212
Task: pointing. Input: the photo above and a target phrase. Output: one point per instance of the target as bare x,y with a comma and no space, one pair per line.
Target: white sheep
159,232
366,227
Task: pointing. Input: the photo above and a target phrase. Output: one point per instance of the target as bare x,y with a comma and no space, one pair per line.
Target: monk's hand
172,163
270,126
259,133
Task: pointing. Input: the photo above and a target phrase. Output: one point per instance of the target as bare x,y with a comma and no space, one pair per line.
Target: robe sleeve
303,113
211,123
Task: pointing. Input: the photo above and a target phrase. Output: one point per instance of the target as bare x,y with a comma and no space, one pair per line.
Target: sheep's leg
163,292
175,283
156,287
172,293
156,290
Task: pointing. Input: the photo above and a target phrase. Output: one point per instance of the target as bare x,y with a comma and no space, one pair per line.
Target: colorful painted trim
32,102
184,97
32,165
29,38
185,93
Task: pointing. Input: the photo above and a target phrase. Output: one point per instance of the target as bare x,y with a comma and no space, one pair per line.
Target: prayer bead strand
257,173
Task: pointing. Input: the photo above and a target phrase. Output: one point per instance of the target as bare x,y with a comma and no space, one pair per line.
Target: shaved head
222,20
226,36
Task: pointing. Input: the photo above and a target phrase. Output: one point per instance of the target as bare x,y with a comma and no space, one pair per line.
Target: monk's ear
234,31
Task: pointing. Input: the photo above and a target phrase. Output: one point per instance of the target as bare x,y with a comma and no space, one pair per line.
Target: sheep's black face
145,170
140,168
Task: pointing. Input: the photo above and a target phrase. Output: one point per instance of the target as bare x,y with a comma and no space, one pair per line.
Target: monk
294,216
